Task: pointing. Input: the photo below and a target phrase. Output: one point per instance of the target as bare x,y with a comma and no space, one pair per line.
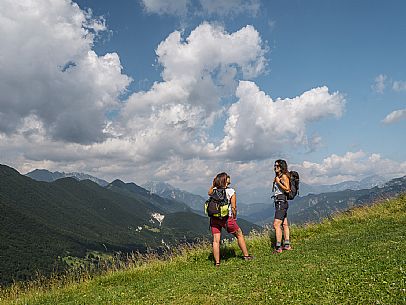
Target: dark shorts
229,223
281,210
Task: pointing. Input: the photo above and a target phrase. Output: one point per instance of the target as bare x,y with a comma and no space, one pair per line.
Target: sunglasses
276,166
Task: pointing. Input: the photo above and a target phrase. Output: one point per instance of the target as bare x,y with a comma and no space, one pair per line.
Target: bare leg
216,247
278,231
286,229
241,242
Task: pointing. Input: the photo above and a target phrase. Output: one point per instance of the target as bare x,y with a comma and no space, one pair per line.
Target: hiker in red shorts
221,182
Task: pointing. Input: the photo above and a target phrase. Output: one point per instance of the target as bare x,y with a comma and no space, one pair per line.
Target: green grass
358,257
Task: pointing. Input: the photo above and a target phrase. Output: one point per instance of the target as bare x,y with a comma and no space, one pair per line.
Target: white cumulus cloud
350,166
176,116
172,118
49,71
258,126
395,116
53,108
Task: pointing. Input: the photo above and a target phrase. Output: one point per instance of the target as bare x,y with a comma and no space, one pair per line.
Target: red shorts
229,223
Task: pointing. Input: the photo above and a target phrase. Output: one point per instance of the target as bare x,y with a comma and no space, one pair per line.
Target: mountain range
366,183
168,191
42,223
315,207
259,194
47,176
261,212
262,194
313,204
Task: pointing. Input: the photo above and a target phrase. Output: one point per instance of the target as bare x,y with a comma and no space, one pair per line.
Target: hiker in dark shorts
281,186
222,181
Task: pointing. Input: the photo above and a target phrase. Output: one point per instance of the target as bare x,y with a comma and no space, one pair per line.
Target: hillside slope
43,224
42,221
358,257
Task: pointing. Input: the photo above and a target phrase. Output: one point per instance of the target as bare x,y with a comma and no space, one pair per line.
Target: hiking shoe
277,251
287,247
248,258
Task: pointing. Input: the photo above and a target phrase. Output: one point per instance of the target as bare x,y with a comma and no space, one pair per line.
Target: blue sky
315,82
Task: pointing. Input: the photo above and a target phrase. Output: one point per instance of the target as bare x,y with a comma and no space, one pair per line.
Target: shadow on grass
225,254
272,239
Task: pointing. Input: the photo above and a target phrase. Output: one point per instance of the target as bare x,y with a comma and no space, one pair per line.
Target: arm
234,206
283,183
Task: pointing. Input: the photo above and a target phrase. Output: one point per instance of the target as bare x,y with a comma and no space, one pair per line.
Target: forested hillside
42,223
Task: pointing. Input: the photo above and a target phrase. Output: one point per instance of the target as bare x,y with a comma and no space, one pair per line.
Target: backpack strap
224,192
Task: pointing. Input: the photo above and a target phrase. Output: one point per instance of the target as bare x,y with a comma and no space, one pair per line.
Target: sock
278,245
287,242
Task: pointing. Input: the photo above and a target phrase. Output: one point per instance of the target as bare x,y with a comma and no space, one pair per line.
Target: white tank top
277,190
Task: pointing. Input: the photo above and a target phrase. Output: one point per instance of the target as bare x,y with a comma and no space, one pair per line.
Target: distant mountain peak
166,190
117,182
158,187
374,180
48,176
131,186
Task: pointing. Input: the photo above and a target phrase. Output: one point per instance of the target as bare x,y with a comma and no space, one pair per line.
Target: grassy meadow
357,257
